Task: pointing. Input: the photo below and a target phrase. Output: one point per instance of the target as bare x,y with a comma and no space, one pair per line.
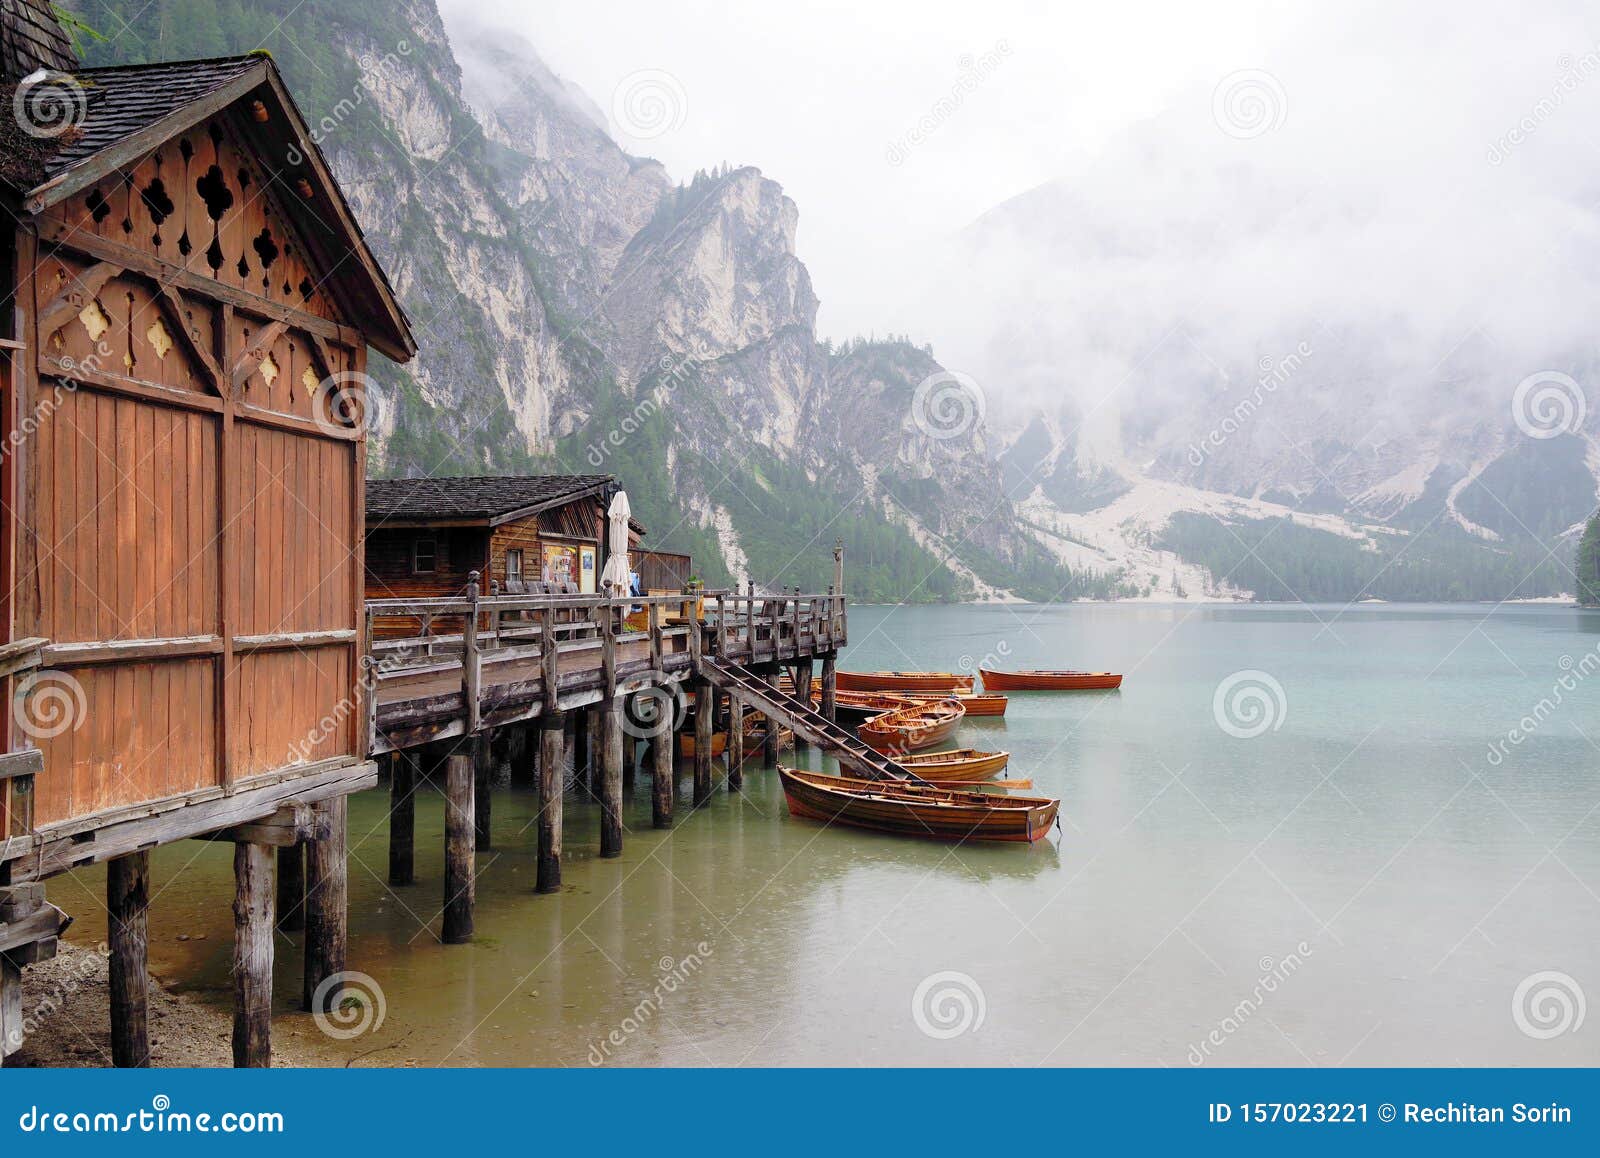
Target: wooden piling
705,710
662,772
483,777
611,781
552,783
127,908
522,758
580,748
252,955
11,1019
402,819
327,903
291,888
459,855
735,748
769,744
830,686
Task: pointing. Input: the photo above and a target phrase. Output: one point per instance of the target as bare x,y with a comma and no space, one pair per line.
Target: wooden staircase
798,715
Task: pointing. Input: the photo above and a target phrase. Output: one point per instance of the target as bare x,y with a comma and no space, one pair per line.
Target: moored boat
859,707
976,703
912,728
1048,681
910,809
962,764
903,681
686,744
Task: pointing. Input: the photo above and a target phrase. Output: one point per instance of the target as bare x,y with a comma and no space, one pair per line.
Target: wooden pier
522,672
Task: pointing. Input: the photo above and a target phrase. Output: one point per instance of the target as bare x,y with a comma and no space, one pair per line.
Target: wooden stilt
735,745
630,764
291,888
552,783
705,710
663,747
611,781
830,686
769,745
252,955
127,907
460,862
402,819
483,777
327,904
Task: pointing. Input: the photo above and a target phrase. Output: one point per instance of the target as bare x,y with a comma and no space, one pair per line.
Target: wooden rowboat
976,703
686,745
1048,681
963,764
903,681
925,810
911,729
859,707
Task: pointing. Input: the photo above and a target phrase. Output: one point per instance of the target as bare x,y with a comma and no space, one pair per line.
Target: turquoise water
1368,881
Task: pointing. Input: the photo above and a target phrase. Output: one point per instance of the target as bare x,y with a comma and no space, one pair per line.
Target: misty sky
1373,146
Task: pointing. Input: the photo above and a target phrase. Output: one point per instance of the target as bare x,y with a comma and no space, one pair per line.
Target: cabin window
514,565
424,557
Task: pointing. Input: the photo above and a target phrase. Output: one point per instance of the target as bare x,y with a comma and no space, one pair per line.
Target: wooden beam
769,743
830,687
662,774
252,956
552,781
705,710
98,838
327,907
735,751
77,294
611,781
460,888
288,826
127,936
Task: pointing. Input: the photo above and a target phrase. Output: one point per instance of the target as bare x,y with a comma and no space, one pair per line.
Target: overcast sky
1367,104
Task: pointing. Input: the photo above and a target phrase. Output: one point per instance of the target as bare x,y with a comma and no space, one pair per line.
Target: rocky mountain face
576,308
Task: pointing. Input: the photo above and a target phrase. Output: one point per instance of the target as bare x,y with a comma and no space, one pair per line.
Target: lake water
1386,875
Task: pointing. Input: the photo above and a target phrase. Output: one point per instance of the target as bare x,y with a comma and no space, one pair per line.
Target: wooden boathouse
182,381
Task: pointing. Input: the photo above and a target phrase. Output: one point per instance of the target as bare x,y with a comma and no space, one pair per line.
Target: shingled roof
128,111
479,499
30,39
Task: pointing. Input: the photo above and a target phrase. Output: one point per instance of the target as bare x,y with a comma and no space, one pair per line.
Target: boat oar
974,785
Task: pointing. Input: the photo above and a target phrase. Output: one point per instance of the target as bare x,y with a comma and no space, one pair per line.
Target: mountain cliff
576,308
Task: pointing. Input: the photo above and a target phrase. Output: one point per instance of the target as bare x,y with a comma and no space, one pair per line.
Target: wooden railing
495,667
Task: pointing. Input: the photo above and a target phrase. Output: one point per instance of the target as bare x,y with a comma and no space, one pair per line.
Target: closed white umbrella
615,575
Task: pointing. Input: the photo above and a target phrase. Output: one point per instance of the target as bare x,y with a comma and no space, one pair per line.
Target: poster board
558,562
586,569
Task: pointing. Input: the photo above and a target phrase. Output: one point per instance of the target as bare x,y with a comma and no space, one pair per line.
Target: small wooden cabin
425,536
188,308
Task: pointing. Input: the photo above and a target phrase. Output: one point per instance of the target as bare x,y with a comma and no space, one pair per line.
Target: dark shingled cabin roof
480,498
30,39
